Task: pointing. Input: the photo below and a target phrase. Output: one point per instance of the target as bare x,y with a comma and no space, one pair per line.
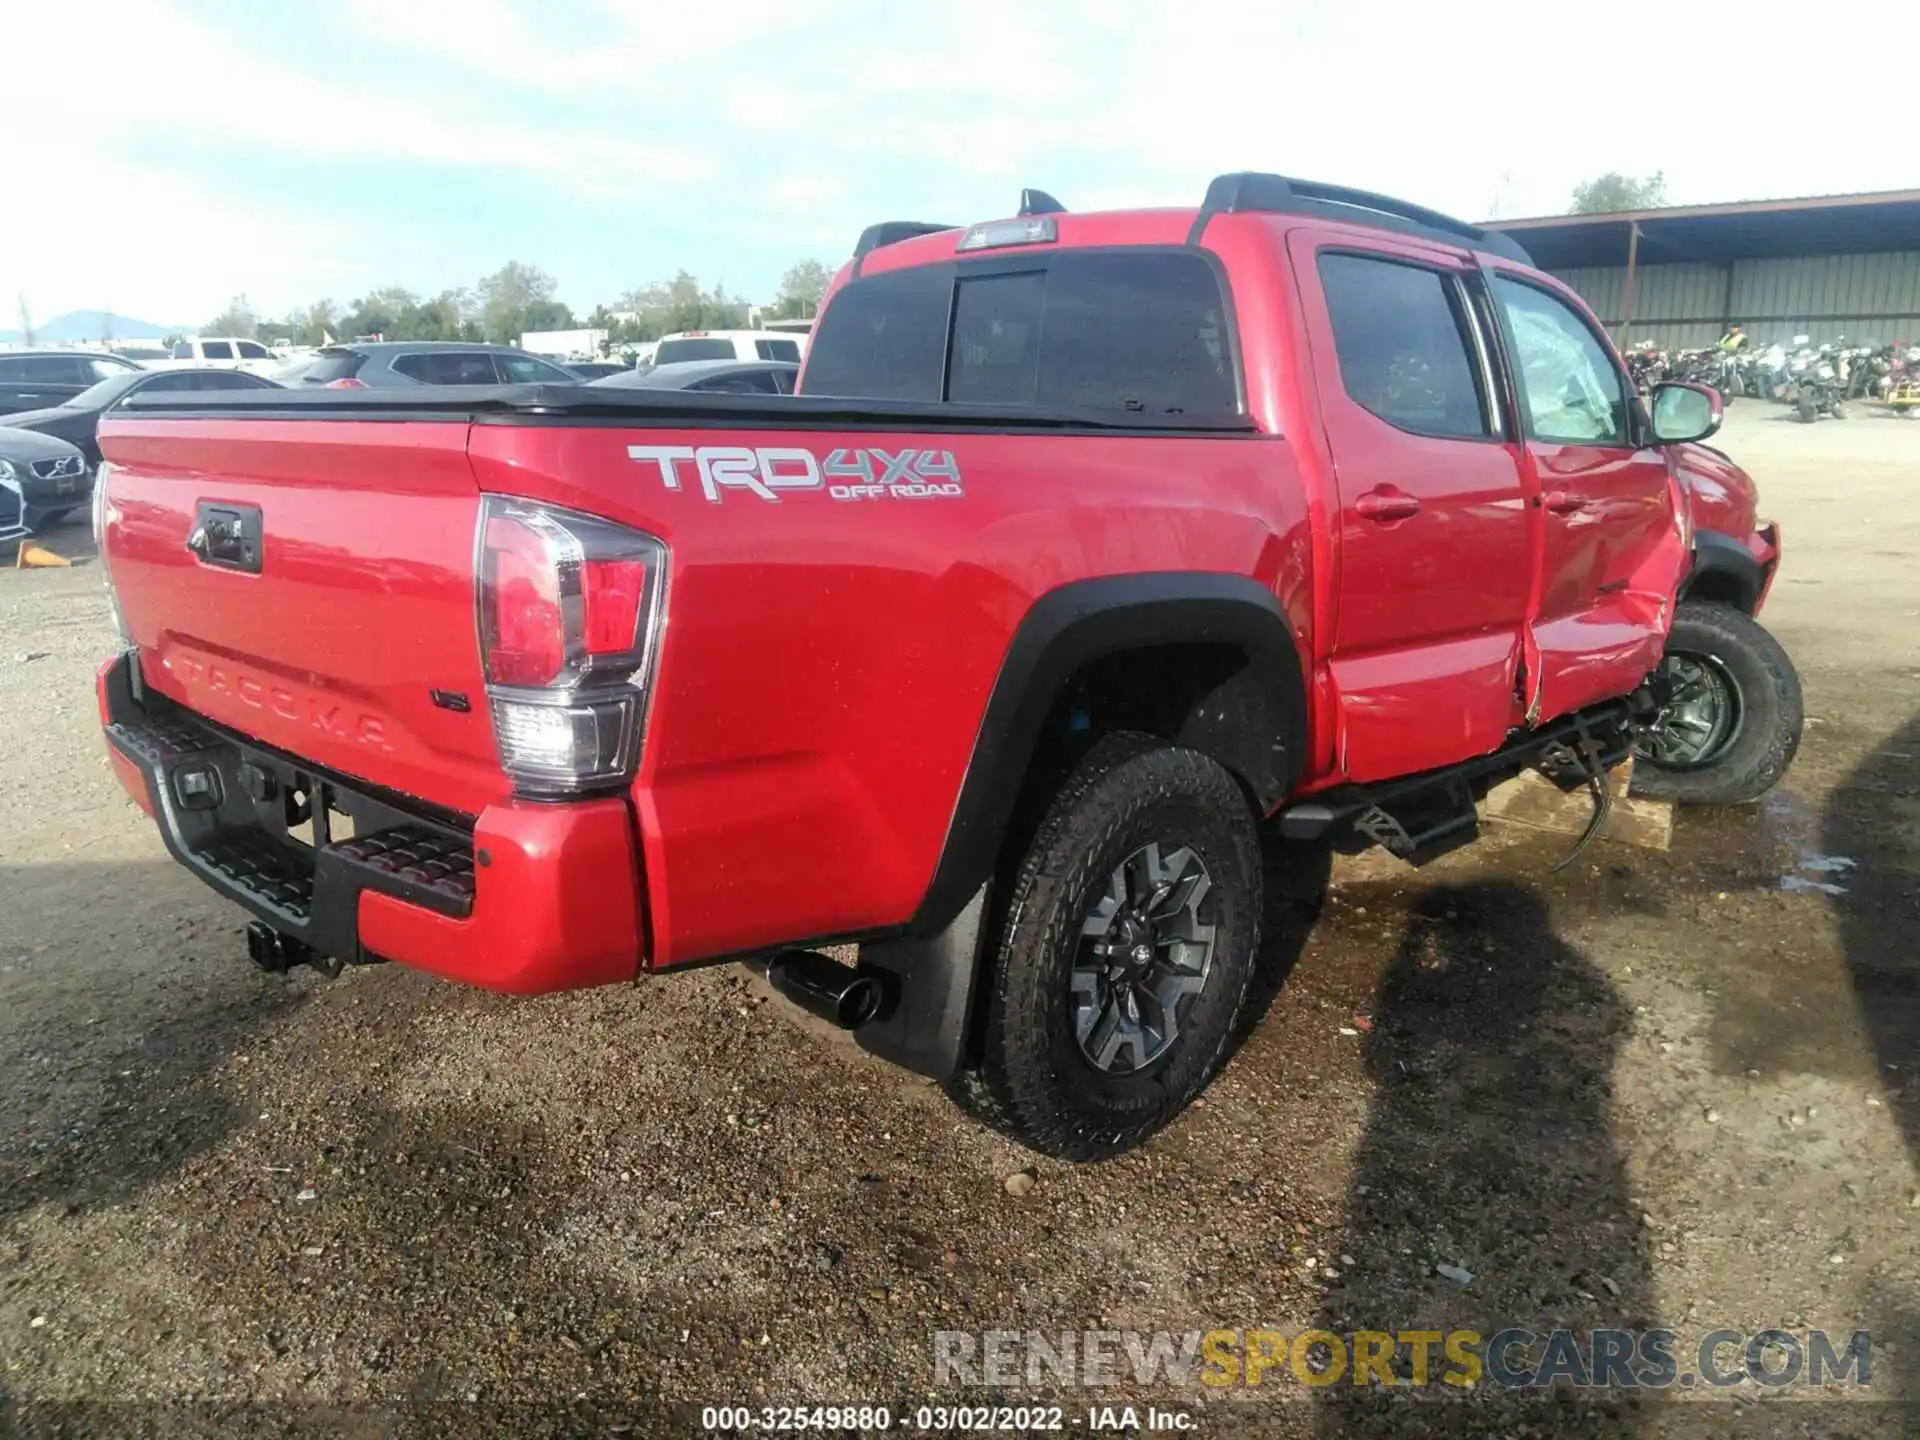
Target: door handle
1386,503
1565,502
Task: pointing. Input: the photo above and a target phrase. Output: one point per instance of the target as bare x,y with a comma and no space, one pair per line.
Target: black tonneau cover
620,405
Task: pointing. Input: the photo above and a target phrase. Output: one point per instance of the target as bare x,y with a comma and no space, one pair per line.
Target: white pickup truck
224,352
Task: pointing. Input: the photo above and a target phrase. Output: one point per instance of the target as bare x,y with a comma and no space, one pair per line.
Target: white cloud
785,125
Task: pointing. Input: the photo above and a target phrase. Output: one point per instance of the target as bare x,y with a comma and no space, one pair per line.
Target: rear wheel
1730,711
1126,952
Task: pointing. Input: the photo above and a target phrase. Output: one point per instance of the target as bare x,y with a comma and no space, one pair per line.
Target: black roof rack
891,232
1249,190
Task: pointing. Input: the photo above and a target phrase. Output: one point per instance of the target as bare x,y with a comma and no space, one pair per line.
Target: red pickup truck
1091,541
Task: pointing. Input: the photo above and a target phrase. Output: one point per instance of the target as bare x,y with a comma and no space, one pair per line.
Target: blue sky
297,150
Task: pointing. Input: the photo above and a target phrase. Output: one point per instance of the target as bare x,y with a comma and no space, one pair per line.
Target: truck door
1433,537
1612,557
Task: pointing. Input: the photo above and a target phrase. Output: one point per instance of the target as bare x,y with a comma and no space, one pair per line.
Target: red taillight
612,592
521,629
345,382
569,606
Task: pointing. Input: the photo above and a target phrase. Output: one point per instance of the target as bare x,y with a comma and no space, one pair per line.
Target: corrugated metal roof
1721,234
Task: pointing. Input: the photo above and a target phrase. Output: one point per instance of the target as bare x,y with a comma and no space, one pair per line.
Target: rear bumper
526,898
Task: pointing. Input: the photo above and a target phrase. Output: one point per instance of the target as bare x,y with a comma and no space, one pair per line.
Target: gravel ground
1675,1090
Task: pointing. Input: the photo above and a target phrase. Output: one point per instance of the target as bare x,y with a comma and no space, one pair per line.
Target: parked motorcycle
1646,366
1820,383
1903,380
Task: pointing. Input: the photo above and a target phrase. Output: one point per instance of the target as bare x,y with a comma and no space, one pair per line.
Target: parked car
734,377
1079,554
42,478
226,352
77,421
687,345
594,369
30,379
385,363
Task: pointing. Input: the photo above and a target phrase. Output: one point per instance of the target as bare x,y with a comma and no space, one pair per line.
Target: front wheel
1808,412
1729,716
1126,951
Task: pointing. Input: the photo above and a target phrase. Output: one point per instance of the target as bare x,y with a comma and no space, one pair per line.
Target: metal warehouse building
1829,267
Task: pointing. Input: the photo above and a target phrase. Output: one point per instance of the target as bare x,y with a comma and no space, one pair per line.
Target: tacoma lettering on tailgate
328,716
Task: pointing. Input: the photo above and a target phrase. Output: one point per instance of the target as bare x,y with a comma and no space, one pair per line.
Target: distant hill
82,325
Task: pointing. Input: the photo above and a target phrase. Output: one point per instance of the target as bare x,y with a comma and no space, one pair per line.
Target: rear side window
1400,335
225,380
787,350
45,370
884,337
1139,332
331,365
673,352
216,350
448,367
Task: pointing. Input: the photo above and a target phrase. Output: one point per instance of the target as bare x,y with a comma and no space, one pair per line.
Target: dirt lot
1672,1089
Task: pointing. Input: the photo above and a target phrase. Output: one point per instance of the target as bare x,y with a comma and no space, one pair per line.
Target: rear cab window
216,350
1136,331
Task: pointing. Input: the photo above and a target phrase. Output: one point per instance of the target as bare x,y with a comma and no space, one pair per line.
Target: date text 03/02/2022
943,1419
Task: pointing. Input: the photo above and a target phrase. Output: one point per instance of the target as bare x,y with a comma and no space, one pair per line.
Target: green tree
545,315
379,312
1613,192
309,324
504,297
237,319
801,289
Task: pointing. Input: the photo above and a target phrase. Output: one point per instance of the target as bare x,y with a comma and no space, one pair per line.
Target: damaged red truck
1093,542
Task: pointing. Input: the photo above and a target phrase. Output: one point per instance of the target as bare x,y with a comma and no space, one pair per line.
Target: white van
730,345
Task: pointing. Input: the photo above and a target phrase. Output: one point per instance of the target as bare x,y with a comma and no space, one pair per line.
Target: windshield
103,394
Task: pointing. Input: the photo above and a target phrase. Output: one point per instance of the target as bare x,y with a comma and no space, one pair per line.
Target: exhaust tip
821,986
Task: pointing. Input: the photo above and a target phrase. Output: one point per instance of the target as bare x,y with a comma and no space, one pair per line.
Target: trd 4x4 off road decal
844,474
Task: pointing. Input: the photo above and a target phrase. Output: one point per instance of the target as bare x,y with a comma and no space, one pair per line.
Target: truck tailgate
339,625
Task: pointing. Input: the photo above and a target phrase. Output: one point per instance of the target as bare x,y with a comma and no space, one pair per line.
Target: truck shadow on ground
117,1005
1488,1150
1874,815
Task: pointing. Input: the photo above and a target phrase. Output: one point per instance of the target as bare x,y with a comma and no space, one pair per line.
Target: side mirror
1683,411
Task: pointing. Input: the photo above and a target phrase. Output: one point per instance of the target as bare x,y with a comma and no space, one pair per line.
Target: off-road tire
1032,1080
1757,754
1805,405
